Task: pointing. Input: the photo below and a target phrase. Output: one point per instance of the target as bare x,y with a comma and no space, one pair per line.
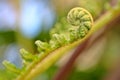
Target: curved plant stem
66,69
40,66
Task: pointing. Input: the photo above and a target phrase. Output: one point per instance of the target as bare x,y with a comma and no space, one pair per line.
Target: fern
61,41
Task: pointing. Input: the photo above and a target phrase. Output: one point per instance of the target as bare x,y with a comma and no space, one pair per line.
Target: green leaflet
11,67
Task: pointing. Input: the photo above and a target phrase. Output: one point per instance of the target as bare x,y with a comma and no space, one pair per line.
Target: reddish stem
65,70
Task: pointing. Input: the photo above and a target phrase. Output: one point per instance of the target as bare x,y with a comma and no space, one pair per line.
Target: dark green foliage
94,74
7,37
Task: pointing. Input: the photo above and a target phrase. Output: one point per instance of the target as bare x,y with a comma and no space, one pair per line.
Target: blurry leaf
112,48
5,75
7,37
93,74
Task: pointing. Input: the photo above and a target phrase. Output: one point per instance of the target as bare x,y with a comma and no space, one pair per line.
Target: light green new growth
61,42
11,67
82,22
26,55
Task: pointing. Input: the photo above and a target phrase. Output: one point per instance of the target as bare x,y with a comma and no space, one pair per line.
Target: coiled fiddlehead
81,22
